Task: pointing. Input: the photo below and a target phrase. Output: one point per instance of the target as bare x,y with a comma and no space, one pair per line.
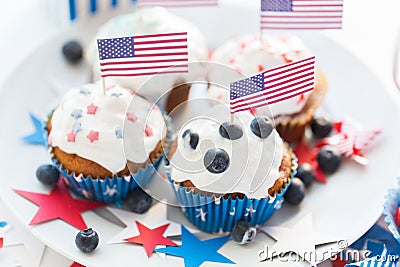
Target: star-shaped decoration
150,238
110,191
116,94
91,109
75,264
118,132
250,211
306,155
76,113
77,126
84,91
195,251
49,206
148,130
71,136
201,215
93,136
154,217
131,117
300,238
39,137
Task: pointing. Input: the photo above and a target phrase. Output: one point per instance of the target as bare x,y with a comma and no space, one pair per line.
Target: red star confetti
49,206
150,238
75,264
306,155
91,109
260,68
93,136
131,117
71,136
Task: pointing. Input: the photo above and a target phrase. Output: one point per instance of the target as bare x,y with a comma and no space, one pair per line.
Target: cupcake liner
389,210
214,214
116,188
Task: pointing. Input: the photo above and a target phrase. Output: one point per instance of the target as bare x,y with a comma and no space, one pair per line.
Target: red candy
397,217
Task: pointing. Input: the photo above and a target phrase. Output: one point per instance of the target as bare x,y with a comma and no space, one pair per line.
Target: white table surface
369,31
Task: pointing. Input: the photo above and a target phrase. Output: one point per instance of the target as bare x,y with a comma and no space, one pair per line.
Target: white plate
346,207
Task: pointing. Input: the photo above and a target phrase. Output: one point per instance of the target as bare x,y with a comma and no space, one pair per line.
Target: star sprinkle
49,206
201,215
93,136
77,126
84,91
111,191
91,109
131,117
195,252
300,238
148,130
118,132
250,211
116,94
150,238
71,136
39,137
306,155
76,113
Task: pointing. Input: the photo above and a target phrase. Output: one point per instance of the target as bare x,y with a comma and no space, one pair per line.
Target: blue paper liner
392,202
116,188
221,214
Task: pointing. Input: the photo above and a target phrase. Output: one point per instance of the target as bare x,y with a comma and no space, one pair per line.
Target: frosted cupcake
249,55
105,144
152,20
223,174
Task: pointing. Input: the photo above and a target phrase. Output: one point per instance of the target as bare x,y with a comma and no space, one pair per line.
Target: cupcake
223,174
153,20
106,143
391,210
249,55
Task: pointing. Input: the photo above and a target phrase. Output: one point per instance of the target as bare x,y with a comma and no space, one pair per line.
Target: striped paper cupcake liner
392,202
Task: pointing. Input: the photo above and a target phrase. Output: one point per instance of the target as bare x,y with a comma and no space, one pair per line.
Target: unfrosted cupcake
154,20
248,55
104,144
223,174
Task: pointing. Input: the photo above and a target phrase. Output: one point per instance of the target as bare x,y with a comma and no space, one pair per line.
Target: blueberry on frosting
231,132
216,160
191,140
262,127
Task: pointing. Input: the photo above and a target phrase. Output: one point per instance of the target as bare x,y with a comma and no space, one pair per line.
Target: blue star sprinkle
3,224
84,91
116,94
195,252
76,113
39,137
118,132
77,127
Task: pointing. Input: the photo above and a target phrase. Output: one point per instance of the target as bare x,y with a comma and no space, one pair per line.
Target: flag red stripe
306,17
158,35
142,61
142,68
161,48
144,73
303,22
316,10
320,5
161,41
299,28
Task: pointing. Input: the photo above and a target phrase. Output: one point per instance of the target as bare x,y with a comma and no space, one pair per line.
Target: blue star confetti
191,246
39,137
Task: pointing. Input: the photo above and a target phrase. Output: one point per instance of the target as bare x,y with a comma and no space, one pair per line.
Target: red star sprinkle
242,45
93,136
260,68
150,238
59,205
131,117
232,60
91,109
71,136
301,99
110,87
286,58
148,130
306,155
219,97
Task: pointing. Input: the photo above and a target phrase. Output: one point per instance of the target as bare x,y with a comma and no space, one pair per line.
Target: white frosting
148,20
247,56
102,127
254,162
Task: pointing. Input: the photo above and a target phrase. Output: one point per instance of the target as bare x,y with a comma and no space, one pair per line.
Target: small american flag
144,55
273,85
177,3
301,14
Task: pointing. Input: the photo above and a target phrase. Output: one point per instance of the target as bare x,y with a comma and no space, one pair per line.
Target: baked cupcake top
248,55
109,128
150,20
243,159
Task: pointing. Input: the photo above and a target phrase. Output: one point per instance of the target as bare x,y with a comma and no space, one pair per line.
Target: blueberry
231,132
216,160
243,232
48,175
262,127
321,127
306,174
87,240
295,193
329,159
191,140
72,51
138,201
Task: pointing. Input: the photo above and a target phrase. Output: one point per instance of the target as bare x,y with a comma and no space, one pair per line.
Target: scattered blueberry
72,51
138,201
321,127
191,139
295,193
262,127
243,232
231,132
329,159
216,160
87,240
306,174
48,175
